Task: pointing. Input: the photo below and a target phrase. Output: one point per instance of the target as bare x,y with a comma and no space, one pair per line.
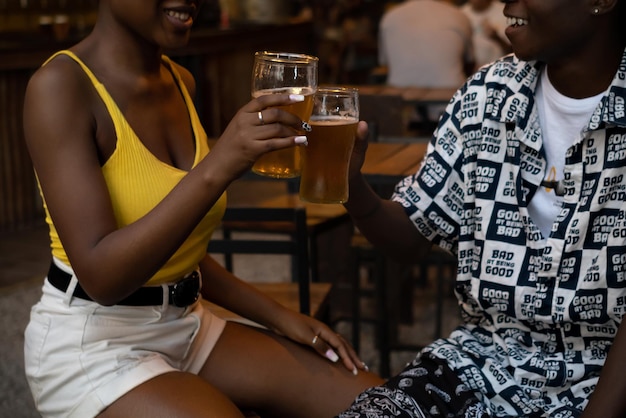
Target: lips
181,17
180,13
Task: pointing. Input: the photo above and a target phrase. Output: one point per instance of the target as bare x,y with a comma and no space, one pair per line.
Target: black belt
183,293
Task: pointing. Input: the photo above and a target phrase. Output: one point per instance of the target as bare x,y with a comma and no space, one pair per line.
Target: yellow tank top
138,181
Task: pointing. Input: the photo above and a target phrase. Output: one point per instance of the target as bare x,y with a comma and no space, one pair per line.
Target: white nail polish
355,371
331,355
296,97
300,140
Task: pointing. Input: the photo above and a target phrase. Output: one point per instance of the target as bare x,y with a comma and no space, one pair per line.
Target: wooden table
387,163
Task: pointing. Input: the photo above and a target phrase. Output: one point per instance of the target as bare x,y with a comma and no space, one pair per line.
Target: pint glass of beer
326,158
284,72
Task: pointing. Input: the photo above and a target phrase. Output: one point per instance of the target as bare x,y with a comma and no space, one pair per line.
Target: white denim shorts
81,356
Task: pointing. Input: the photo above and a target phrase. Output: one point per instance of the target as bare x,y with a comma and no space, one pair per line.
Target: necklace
556,185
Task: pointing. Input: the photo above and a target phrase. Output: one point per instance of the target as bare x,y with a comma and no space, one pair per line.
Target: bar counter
220,59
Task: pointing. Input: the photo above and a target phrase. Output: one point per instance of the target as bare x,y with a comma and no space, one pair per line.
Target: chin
524,54
173,42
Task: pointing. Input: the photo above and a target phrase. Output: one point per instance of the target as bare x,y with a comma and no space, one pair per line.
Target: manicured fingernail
331,355
300,140
355,371
365,367
296,97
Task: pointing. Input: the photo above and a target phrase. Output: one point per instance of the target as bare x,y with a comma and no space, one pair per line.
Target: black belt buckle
186,291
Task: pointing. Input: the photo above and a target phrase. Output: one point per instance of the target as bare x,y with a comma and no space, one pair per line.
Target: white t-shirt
562,120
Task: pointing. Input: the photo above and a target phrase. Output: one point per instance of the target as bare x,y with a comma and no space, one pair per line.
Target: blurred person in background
426,43
488,25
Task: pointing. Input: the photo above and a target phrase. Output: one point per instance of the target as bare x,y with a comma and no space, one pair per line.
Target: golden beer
326,159
284,72
285,163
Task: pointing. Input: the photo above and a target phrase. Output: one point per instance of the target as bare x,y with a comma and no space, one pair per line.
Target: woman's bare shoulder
61,72
58,103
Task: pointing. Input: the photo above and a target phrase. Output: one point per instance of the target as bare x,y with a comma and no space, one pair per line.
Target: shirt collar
610,111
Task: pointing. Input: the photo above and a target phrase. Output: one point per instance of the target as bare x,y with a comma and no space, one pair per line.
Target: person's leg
427,387
277,377
174,394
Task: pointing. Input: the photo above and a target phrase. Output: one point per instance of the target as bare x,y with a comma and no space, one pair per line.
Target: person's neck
585,77
130,53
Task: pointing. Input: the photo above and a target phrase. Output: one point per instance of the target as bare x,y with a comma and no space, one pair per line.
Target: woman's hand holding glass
258,127
277,73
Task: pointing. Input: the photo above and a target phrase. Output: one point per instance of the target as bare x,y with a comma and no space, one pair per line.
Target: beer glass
284,72
326,158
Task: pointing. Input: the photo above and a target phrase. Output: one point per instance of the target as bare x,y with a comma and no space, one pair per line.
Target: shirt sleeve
433,197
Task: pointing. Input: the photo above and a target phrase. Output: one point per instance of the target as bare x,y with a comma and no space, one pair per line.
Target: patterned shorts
426,388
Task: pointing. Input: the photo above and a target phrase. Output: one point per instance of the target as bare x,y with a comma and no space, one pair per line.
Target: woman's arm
65,123
608,400
223,288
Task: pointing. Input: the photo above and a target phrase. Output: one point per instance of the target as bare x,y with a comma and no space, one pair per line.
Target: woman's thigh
260,370
174,394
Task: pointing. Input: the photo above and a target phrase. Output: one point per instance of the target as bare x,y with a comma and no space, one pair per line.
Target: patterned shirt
540,312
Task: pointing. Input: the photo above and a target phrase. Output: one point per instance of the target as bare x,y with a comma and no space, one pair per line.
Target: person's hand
309,331
359,150
257,128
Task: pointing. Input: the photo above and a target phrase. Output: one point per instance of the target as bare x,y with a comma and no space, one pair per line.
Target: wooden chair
393,300
401,113
320,219
386,113
254,191
295,245
293,233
